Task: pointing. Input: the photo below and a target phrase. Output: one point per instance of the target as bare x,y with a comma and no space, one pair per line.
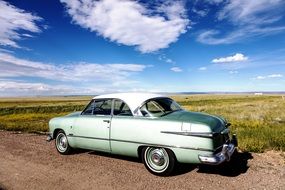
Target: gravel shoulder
27,161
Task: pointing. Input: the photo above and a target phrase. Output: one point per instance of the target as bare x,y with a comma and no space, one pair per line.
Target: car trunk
215,123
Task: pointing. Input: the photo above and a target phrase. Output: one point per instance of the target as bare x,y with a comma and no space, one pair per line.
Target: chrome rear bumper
224,155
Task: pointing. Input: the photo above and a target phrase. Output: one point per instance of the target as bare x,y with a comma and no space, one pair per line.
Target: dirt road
27,161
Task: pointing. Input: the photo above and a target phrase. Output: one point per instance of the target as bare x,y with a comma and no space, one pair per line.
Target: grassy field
259,121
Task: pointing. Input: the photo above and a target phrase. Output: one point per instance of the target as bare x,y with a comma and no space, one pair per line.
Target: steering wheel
98,109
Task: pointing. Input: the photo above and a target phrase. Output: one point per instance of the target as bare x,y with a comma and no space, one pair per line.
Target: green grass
33,114
259,121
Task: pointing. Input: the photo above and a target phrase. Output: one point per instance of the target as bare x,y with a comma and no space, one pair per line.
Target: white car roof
133,100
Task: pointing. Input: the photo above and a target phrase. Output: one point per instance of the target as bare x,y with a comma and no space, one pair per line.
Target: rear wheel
159,161
61,143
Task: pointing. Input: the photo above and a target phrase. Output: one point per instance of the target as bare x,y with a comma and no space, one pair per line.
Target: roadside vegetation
33,114
259,121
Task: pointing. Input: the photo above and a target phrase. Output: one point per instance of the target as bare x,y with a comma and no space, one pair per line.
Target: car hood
214,122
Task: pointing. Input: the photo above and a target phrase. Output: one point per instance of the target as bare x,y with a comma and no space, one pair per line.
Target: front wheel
159,161
61,143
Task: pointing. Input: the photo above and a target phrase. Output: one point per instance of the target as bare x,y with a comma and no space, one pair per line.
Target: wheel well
140,151
55,132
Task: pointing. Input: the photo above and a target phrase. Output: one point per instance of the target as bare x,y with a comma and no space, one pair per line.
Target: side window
102,107
121,108
89,109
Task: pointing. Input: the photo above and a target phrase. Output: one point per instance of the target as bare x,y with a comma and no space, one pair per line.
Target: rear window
159,107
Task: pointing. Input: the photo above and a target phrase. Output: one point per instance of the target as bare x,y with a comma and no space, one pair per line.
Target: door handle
106,120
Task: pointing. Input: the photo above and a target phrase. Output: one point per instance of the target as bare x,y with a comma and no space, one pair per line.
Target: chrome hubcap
157,159
61,142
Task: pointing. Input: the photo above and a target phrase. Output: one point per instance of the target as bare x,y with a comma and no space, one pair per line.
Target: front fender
62,123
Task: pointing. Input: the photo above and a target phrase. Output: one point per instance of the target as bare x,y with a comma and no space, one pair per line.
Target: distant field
259,121
33,114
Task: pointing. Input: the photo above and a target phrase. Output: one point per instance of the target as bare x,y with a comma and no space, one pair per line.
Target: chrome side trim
97,138
195,134
161,145
147,144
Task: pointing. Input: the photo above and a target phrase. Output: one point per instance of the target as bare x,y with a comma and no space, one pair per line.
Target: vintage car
148,126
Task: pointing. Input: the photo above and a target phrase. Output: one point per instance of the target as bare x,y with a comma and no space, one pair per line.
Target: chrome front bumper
224,155
49,137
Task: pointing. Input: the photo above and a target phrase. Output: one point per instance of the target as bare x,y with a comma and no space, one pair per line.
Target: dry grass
33,114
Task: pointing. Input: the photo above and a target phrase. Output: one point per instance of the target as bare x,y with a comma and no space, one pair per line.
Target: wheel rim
157,159
61,142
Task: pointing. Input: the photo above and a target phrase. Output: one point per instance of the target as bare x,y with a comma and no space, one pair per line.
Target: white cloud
6,51
163,57
238,57
259,12
200,12
22,88
12,66
212,37
11,87
260,77
233,72
176,69
12,20
130,22
202,68
214,1
209,37
124,83
269,76
72,78
248,19
275,76
169,60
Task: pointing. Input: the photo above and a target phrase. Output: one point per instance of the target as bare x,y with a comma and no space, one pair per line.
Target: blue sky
72,47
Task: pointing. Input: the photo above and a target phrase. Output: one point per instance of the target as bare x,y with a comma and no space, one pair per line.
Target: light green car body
190,135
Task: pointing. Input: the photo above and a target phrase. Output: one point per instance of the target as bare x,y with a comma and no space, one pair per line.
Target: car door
123,129
92,128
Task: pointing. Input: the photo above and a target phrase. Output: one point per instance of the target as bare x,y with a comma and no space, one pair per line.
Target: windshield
159,107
